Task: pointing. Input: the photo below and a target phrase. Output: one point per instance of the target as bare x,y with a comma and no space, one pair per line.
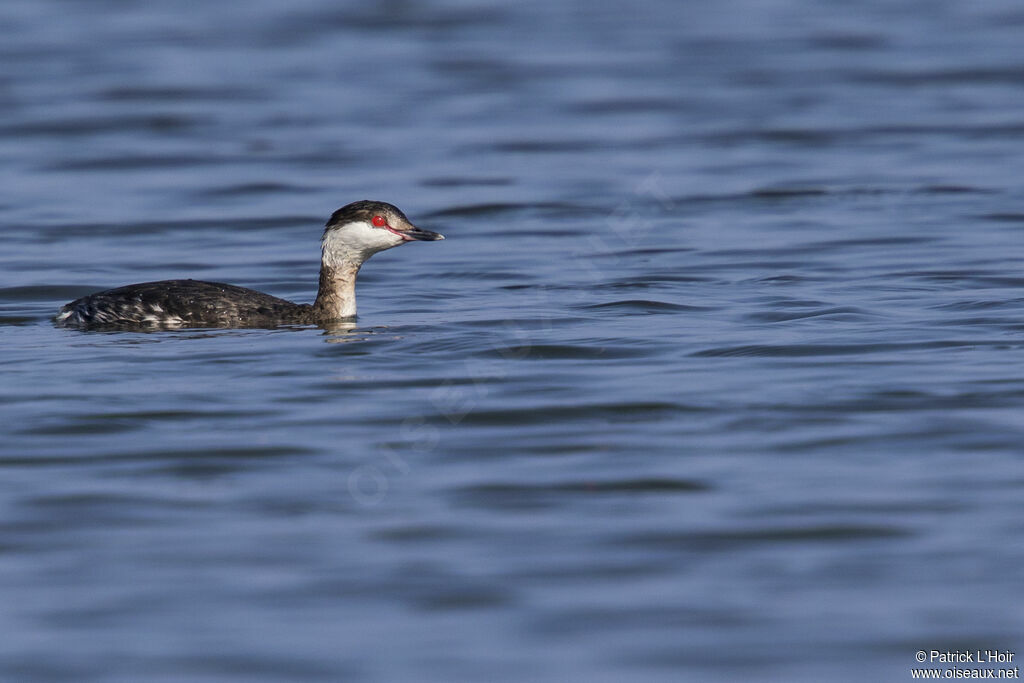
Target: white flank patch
153,319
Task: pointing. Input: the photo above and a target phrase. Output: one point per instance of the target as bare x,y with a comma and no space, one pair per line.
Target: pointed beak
414,233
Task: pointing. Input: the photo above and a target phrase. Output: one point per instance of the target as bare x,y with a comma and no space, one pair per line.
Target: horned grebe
353,234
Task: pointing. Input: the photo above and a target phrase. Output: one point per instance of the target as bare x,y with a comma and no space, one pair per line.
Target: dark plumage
353,234
363,210
184,303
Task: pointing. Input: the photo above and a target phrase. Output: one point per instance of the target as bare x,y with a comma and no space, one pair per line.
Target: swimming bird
353,234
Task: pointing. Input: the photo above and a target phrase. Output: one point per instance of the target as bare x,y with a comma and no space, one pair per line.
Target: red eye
379,221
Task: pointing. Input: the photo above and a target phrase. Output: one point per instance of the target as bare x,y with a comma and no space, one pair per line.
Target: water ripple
806,350
544,494
730,540
644,307
842,312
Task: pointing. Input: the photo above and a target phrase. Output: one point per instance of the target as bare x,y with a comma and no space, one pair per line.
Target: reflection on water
717,377
346,331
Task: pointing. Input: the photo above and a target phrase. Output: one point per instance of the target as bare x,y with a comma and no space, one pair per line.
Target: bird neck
336,297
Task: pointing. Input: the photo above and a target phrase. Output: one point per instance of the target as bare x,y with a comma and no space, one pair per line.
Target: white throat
344,250
350,245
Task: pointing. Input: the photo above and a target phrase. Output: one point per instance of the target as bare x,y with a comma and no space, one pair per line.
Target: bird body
353,234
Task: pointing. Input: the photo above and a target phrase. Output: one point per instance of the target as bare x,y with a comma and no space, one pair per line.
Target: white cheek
371,238
359,241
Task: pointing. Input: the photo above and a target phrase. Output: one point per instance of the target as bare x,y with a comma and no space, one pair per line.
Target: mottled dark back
182,303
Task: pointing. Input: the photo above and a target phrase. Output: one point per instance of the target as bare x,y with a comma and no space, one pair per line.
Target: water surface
717,376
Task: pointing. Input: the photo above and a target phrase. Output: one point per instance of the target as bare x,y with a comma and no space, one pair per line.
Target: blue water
718,376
